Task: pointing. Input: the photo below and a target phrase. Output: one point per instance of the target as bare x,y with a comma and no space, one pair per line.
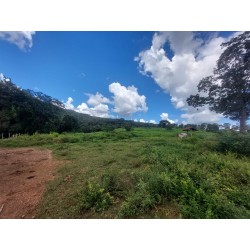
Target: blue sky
144,76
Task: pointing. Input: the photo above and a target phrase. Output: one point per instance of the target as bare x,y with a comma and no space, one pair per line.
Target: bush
160,186
54,134
234,142
128,127
95,197
224,208
138,203
114,184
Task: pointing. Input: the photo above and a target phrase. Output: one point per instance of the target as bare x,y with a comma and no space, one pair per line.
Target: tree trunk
243,119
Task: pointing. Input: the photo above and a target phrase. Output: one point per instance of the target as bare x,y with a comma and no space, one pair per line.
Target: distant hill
27,111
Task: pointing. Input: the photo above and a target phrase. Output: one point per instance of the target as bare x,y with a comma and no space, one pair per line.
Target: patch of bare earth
23,176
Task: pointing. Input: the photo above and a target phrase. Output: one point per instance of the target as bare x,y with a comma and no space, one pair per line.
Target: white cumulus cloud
180,72
144,121
22,39
97,99
127,99
164,116
83,108
201,116
68,104
99,110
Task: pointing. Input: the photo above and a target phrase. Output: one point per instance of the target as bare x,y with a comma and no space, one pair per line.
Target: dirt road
23,175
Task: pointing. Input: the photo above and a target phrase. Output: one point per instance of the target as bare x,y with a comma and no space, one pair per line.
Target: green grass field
144,173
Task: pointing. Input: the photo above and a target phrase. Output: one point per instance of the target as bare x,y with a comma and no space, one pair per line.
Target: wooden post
2,136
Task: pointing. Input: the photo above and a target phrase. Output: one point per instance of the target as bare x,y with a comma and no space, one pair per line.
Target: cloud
179,72
99,110
201,116
142,120
164,116
127,100
83,108
22,39
152,121
68,104
97,99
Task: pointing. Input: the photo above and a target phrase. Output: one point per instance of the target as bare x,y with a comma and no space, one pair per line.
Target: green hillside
28,112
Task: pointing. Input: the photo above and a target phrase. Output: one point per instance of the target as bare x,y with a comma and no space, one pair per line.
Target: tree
203,126
69,124
164,123
212,127
227,91
227,126
128,126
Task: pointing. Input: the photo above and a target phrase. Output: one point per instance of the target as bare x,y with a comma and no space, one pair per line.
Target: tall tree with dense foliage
227,91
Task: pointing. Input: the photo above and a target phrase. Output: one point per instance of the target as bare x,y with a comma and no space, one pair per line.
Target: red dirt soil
23,175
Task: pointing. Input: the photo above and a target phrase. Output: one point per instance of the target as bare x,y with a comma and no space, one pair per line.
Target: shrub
114,184
95,197
128,127
196,204
234,142
138,203
108,128
160,186
54,134
240,198
224,208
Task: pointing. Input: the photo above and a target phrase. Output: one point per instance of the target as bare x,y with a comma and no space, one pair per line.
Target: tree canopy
227,91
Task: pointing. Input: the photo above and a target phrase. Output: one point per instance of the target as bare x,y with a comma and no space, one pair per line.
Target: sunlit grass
143,173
